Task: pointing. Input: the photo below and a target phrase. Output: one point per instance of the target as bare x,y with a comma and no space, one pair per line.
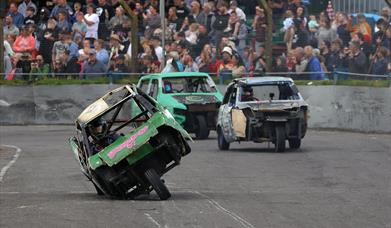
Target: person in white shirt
239,11
92,21
155,41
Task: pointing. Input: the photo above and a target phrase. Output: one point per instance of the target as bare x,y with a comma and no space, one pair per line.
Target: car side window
232,99
154,88
144,85
227,95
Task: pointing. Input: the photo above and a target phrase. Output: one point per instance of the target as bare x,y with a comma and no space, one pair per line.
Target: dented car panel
267,109
126,141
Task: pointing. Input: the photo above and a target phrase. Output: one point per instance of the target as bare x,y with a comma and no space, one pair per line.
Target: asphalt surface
337,179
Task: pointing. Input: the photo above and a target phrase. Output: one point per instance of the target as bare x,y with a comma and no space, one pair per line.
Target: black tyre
280,139
157,184
98,191
222,143
294,143
202,131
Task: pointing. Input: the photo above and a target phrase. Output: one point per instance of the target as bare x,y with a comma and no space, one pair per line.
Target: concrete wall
338,107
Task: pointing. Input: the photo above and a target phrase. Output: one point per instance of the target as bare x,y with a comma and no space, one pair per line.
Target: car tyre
222,143
157,184
280,139
202,131
294,143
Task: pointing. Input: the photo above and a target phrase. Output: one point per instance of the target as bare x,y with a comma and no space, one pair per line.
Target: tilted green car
126,141
191,97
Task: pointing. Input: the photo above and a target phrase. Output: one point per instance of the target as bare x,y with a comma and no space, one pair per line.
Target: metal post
2,16
163,23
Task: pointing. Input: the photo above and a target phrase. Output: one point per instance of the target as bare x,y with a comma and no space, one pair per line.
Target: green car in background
191,97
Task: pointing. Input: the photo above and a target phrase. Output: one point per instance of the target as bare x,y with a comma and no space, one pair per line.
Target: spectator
25,42
62,6
363,27
102,55
119,68
380,36
281,65
313,65
342,29
239,31
325,32
152,21
92,21
116,48
105,11
173,20
155,41
358,62
196,15
337,59
79,28
63,24
259,26
299,60
248,59
219,23
288,29
71,65
224,67
39,69
10,28
50,35
92,67
17,17
72,46
59,48
7,65
145,66
205,59
192,34
84,52
324,52
24,5
189,64
118,19
239,12
8,42
77,9
181,10
202,40
380,62
30,17
301,33
207,10
364,45
238,69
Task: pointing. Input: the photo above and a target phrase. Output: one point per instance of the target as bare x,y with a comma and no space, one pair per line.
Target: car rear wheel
157,184
280,139
294,143
222,143
202,131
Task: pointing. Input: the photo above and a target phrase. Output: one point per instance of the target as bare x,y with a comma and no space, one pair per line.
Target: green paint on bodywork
136,149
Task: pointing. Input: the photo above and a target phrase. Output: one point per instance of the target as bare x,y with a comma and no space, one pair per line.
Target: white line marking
16,156
4,103
233,215
152,220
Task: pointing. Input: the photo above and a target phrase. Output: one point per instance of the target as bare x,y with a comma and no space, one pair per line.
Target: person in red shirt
24,43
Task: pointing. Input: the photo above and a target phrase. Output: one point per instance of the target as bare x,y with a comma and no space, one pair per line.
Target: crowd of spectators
91,38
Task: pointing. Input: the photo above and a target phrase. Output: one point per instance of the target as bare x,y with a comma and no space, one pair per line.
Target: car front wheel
222,143
202,131
157,184
280,139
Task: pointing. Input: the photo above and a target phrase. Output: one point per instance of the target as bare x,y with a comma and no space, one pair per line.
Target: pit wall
362,109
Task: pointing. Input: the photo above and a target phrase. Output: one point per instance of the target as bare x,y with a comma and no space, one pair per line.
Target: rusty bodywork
264,109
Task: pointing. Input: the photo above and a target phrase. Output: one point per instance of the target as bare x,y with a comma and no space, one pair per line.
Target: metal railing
358,6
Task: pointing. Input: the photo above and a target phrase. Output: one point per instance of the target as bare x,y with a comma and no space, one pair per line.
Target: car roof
175,74
263,80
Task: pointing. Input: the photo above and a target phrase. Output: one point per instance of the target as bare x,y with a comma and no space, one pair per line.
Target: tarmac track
337,179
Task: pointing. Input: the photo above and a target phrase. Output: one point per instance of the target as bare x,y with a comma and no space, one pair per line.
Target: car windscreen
264,92
188,85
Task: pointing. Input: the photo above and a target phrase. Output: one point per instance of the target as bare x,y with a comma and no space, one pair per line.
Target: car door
225,116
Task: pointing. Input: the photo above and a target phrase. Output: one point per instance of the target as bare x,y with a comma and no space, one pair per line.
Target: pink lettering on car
129,143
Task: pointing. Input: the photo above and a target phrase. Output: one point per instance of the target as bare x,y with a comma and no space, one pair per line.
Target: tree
269,33
134,38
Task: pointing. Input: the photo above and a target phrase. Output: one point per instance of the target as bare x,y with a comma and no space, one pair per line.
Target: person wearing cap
358,62
116,48
93,68
225,66
92,21
234,8
30,17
